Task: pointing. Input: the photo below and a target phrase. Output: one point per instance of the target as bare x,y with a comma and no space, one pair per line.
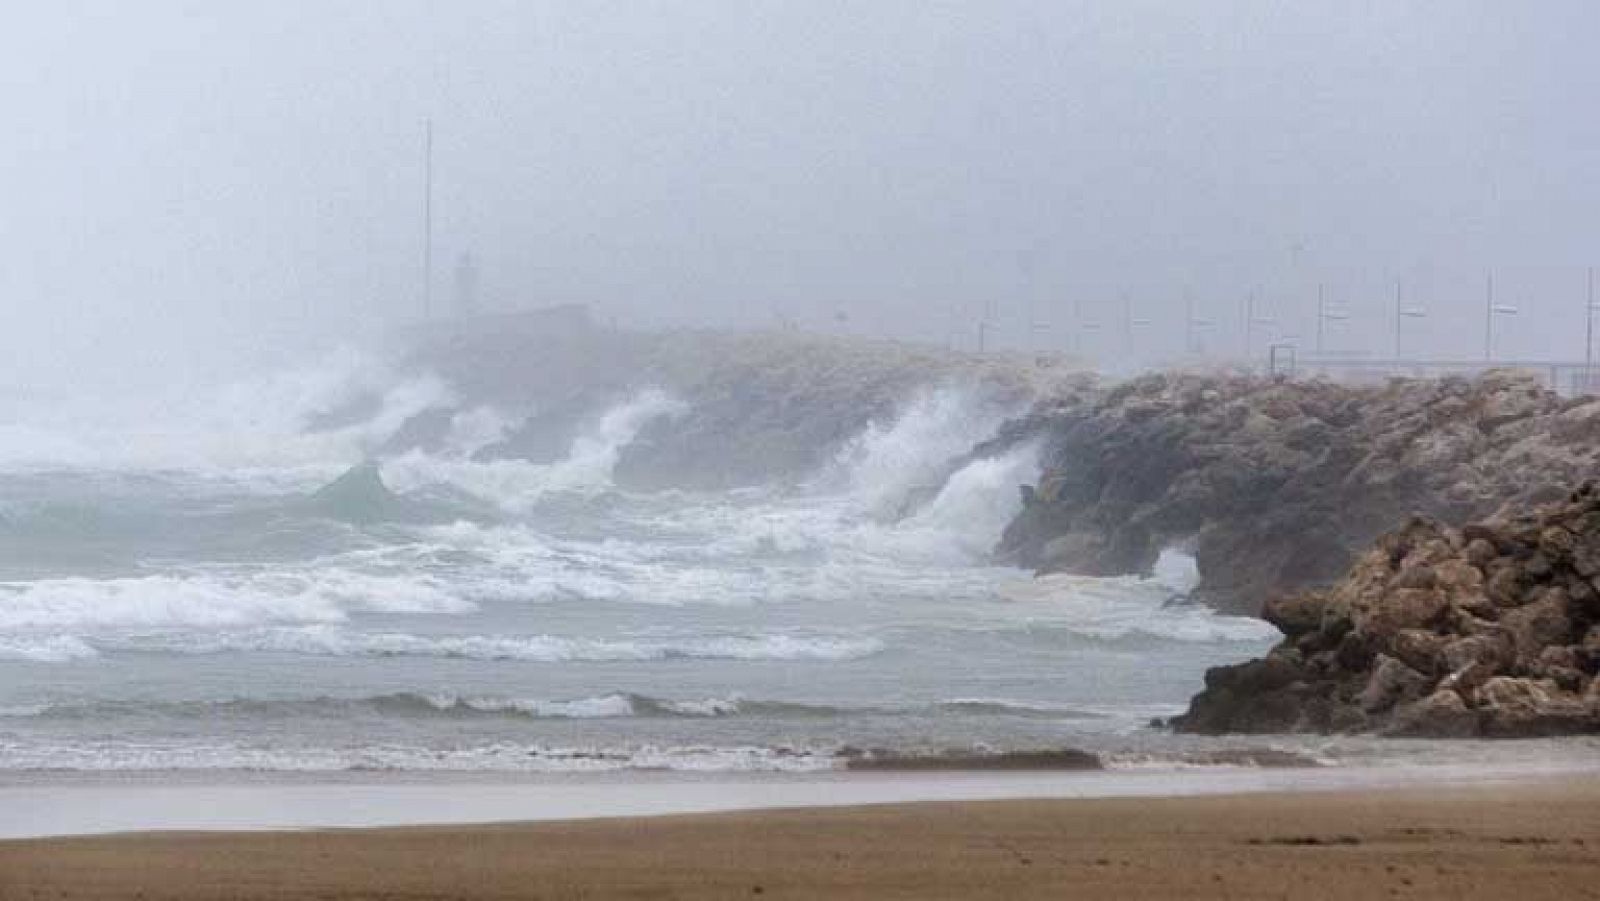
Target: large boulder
1489,630
1517,708
1439,715
1391,683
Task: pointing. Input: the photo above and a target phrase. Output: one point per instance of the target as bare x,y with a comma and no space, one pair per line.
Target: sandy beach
1526,840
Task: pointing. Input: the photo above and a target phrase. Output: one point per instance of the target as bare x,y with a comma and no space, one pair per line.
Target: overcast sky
182,182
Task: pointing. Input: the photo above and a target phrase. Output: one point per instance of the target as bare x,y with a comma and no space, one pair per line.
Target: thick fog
192,186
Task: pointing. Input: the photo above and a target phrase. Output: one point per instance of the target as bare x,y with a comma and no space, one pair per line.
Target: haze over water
178,595
207,578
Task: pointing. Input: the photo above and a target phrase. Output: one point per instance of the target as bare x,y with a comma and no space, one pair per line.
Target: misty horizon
194,187
935,449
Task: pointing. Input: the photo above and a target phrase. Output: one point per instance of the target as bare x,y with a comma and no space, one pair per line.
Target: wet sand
1525,841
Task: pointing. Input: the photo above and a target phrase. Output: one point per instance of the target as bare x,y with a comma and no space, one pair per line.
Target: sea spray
1134,606
258,434
325,641
171,612
594,453
473,430
210,601
887,467
516,485
975,503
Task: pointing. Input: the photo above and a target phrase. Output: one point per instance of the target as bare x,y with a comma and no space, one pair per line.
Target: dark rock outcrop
1491,629
1277,484
1056,759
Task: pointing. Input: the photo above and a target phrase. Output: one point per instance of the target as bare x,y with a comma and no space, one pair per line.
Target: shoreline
60,805
1528,838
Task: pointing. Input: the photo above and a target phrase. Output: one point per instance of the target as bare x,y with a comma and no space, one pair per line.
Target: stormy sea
266,576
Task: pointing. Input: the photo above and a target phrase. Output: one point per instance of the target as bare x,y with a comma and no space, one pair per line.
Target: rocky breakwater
1491,629
1276,485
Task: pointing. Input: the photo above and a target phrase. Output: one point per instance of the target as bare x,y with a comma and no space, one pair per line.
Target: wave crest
517,485
166,601
335,642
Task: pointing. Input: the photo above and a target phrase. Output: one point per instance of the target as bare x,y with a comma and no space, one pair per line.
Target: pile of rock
1492,629
1276,485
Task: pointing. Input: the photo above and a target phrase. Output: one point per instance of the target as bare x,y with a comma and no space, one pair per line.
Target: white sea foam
338,642
44,648
1023,707
1133,606
475,429
401,705
730,556
887,549
23,710
211,601
1176,571
705,707
517,485
250,433
607,706
966,517
594,453
103,756
885,466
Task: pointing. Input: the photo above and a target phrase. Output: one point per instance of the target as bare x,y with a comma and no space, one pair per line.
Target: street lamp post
1195,322
1322,309
1130,322
1284,351
1588,336
1249,314
1035,330
1188,323
1251,320
1401,313
1079,325
1324,315
1491,310
1488,316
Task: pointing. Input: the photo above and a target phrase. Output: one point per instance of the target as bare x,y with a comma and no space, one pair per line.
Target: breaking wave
166,601
612,705
516,485
891,466
287,431
45,649
1136,607
515,757
333,642
971,508
499,757
436,592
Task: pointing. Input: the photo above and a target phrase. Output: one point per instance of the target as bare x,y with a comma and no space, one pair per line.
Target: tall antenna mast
427,220
1488,316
